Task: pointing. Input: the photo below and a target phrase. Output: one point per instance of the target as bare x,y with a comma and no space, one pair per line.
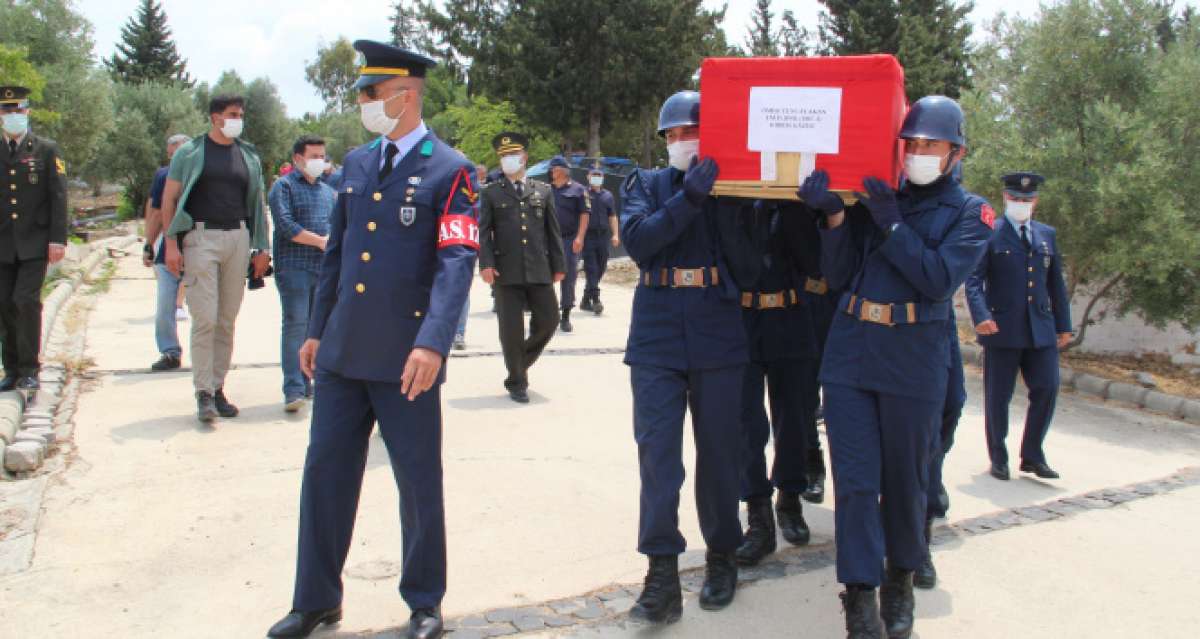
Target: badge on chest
408,215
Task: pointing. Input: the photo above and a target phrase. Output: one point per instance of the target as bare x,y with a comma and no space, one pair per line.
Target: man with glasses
396,271
33,235
1019,304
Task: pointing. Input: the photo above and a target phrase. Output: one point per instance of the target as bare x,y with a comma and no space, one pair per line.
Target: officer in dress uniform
33,235
1019,305
783,350
573,207
396,271
521,255
888,356
686,349
603,230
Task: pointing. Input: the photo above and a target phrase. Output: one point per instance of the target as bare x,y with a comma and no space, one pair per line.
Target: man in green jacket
212,208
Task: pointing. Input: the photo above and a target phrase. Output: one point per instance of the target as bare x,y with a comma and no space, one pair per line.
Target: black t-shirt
220,193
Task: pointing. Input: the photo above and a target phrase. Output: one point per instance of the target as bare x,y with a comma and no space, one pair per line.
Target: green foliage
1086,96
341,132
929,37
126,209
763,38
52,31
15,69
470,128
146,52
84,106
333,74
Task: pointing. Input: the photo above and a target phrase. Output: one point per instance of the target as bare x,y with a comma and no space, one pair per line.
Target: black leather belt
219,225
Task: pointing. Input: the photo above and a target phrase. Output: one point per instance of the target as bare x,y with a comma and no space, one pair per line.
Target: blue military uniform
571,203
596,245
886,366
687,348
1019,284
395,274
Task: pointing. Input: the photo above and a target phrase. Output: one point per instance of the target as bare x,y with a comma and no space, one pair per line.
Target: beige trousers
214,272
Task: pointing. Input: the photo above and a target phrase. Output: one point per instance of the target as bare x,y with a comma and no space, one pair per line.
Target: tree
51,31
146,52
15,69
1085,95
463,29
929,37
341,132
333,74
470,128
761,35
793,38
408,32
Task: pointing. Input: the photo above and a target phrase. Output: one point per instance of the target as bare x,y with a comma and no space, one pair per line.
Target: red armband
460,230
987,215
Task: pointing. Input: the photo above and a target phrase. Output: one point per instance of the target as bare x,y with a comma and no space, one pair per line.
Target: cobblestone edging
29,430
1171,405
609,605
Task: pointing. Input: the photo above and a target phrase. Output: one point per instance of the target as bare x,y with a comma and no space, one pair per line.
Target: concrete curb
1173,406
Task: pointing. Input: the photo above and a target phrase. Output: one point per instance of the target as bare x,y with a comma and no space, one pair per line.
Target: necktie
1025,238
389,154
520,188
12,148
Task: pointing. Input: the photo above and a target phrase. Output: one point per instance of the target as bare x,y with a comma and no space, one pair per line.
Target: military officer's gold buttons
12,171
1030,269
1030,298
14,200
366,257
14,216
417,314
378,196
1031,285
524,241
360,287
349,189
371,226
12,187
524,228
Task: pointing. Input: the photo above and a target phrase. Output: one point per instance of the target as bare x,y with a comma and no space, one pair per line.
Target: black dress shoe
426,623
720,580
224,408
862,613
1000,471
301,624
759,540
206,408
8,383
925,577
565,325
520,396
585,304
597,306
167,362
943,500
815,493
790,514
28,384
896,603
1041,469
661,601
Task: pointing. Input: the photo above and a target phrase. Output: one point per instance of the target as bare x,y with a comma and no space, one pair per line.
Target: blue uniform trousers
1039,368
567,286
787,383
343,415
660,397
595,262
943,441
879,445
822,307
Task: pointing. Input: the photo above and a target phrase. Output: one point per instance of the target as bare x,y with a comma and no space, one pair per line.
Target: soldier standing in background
603,230
573,208
33,235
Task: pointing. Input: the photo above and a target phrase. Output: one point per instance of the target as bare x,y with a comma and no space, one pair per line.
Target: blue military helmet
681,109
935,117
383,61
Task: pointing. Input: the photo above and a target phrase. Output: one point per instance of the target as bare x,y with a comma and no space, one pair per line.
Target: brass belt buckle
686,278
769,300
817,287
876,313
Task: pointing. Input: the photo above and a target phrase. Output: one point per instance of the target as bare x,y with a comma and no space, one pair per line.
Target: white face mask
314,168
512,164
1018,212
232,128
680,153
922,169
596,180
375,118
16,124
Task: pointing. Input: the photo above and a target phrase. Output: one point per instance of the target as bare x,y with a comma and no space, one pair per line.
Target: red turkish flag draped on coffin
769,122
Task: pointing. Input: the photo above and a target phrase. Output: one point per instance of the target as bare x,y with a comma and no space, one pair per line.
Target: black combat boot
862,613
925,577
206,408
791,518
759,540
565,324
597,305
224,408
720,580
661,600
896,603
815,493
585,304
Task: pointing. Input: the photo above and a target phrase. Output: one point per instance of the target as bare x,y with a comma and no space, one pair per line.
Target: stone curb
610,605
29,426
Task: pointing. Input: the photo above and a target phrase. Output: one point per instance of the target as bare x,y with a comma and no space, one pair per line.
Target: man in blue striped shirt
300,207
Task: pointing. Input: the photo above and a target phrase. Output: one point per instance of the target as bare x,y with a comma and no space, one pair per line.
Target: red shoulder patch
987,215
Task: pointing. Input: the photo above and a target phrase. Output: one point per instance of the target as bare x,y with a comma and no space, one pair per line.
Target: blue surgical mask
16,124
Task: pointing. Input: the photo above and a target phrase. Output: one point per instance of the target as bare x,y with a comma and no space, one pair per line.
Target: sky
276,39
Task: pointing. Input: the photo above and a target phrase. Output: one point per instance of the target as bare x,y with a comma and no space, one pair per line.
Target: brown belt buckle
816,287
769,301
876,313
687,278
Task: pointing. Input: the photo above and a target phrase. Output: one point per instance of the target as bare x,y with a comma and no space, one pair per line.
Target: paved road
162,527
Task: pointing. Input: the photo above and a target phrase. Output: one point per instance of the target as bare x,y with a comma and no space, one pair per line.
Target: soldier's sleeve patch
987,215
62,166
